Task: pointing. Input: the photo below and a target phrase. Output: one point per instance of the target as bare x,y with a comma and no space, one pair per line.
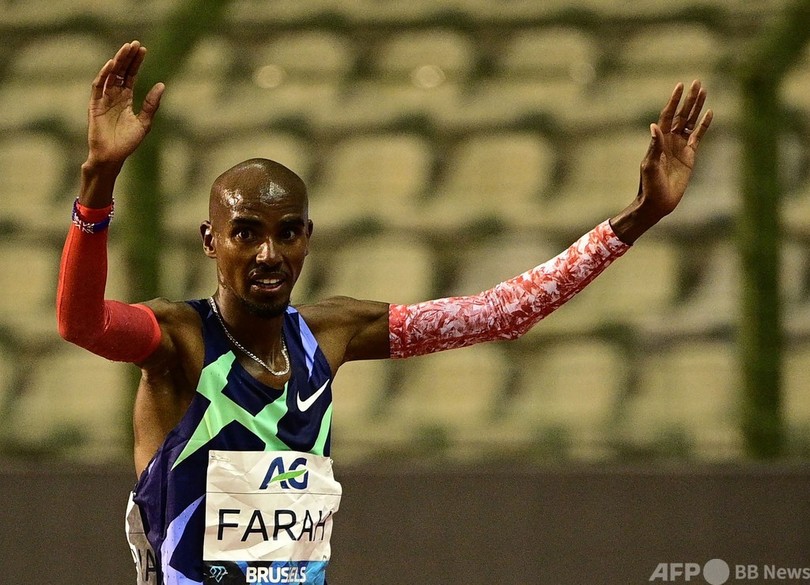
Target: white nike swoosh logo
303,405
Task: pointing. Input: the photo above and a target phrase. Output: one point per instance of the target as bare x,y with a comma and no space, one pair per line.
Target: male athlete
233,411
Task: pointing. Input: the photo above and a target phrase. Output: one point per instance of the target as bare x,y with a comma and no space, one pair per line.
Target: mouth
268,283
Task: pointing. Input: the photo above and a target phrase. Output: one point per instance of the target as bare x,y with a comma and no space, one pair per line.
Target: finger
151,103
691,122
652,160
97,87
682,115
121,62
665,119
697,135
113,75
654,150
132,70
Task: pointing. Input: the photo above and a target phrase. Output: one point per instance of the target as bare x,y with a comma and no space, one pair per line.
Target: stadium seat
42,12
394,269
483,264
416,11
602,179
633,291
493,176
45,58
187,273
254,12
569,389
453,394
210,59
375,103
713,304
306,56
28,280
401,56
359,395
550,52
794,87
689,390
63,389
33,167
381,177
796,403
679,49
511,99
796,210
60,104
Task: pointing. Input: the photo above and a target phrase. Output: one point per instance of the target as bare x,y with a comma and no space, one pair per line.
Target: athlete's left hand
667,167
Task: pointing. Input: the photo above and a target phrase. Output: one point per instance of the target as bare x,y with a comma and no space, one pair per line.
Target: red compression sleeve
509,309
111,329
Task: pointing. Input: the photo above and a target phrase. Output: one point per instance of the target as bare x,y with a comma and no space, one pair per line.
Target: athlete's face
259,233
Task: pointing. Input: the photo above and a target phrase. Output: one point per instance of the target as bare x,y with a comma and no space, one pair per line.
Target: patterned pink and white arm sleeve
508,310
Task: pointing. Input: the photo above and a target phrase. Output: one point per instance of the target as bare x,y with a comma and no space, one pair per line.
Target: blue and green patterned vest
231,411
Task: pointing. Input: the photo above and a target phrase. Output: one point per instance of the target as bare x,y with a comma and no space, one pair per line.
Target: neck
251,334
249,318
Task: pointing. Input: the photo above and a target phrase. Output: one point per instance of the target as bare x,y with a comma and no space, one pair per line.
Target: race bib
142,553
268,517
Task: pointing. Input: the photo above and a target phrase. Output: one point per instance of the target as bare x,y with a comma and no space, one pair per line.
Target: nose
268,252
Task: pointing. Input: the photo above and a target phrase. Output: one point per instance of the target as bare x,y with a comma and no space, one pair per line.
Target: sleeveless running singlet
241,491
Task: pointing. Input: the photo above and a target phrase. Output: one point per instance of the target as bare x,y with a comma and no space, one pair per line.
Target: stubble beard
266,310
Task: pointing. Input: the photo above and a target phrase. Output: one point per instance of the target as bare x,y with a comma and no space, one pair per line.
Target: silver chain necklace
251,355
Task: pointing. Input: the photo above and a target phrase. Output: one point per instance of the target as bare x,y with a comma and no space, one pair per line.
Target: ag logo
296,477
217,572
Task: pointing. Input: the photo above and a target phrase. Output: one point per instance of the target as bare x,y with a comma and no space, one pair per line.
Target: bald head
258,231
257,180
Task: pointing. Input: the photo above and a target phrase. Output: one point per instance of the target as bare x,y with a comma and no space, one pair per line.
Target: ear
207,234
310,227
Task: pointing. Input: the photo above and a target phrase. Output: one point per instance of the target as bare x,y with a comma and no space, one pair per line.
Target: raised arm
111,329
373,330
667,166
114,130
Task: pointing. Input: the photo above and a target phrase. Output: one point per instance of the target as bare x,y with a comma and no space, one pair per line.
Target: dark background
459,525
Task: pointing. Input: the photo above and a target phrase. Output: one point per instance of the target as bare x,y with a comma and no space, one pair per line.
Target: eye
289,233
243,234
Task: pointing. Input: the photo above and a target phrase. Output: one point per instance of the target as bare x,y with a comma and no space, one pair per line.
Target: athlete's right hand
114,129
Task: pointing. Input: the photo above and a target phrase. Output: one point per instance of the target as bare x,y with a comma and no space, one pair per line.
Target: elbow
75,331
74,335
507,324
67,330
70,333
512,333
514,327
